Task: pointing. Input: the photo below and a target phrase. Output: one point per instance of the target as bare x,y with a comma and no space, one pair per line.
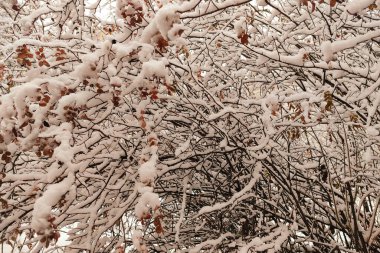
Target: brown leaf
162,44
24,124
4,203
332,3
48,151
15,7
142,122
153,94
158,225
14,131
243,38
56,236
8,159
22,56
372,7
46,98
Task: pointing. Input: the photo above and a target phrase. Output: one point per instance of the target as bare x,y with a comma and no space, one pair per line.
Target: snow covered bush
190,126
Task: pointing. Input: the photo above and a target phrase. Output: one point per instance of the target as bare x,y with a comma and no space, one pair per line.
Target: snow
147,201
330,48
372,111
10,177
64,152
236,196
295,59
270,243
238,26
214,242
306,166
182,148
148,171
162,22
137,236
165,19
354,7
372,131
43,205
254,242
182,211
205,8
260,144
327,51
76,99
19,96
150,69
27,21
154,68
221,113
261,3
198,149
367,92
145,53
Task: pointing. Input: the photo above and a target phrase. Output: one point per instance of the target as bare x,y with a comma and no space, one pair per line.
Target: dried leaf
162,44
56,236
24,124
158,225
4,203
15,7
243,38
372,7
